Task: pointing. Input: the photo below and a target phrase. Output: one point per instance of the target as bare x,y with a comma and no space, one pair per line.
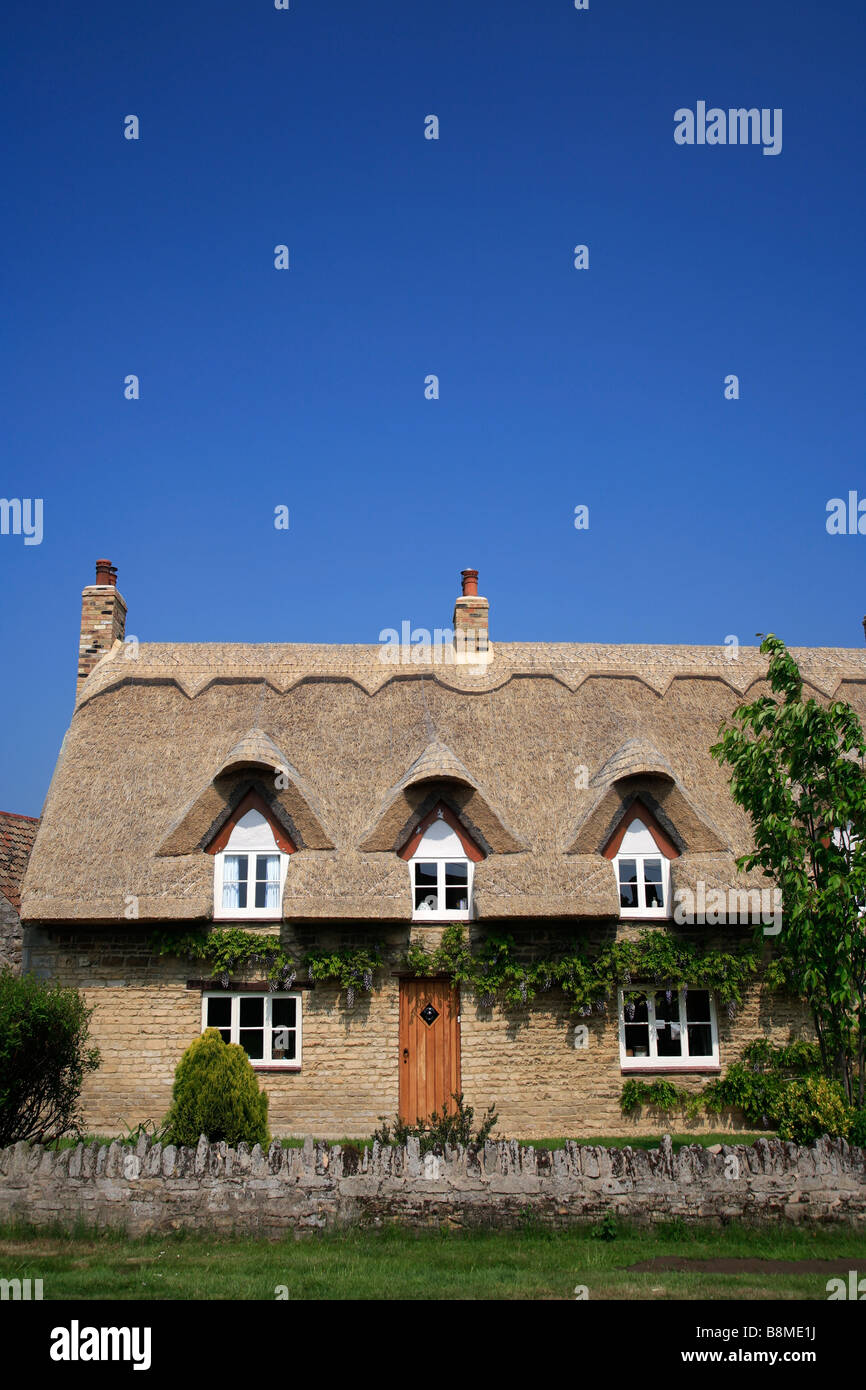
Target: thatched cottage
337,797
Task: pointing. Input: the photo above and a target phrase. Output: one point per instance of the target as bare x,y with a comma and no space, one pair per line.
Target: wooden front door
429,1047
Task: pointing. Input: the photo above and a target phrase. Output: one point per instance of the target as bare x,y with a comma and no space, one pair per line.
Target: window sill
699,1069
636,914
436,919
276,1066
242,918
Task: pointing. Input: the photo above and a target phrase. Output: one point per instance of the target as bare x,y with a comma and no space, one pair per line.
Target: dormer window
442,860
251,857
641,855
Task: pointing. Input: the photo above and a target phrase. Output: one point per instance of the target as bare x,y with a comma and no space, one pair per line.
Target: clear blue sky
408,256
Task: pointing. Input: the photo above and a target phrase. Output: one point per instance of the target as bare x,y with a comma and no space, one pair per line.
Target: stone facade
523,1060
215,1188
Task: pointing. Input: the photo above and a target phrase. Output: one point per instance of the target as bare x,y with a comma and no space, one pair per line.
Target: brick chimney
103,620
471,622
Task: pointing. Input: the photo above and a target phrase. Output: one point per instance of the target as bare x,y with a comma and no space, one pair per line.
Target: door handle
405,1054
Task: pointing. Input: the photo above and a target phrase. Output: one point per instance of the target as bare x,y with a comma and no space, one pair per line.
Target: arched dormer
641,853
251,857
441,858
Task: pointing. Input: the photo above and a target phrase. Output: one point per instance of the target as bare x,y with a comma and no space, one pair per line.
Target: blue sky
408,256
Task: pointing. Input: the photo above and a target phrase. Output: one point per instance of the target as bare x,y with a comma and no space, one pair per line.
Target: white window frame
441,913
642,910
267,1061
653,1062
260,914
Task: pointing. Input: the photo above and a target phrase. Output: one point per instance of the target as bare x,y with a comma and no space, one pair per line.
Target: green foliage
216,1093
812,1106
353,968
588,980
659,1095
764,1084
44,1058
607,1228
454,1127
231,949
756,1083
857,1132
797,769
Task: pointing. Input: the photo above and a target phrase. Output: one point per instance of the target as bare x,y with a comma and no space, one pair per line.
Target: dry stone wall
151,1187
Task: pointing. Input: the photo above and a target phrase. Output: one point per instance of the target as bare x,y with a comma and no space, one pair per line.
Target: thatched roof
161,748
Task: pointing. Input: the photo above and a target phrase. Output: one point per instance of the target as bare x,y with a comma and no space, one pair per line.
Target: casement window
267,1026
441,887
441,860
250,871
642,874
667,1028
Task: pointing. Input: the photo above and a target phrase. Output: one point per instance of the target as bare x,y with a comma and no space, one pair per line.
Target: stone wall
212,1187
11,937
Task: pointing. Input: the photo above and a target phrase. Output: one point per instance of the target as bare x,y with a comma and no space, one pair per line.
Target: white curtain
231,881
272,893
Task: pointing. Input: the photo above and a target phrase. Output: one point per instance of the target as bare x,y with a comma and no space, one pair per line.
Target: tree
797,769
44,1058
216,1093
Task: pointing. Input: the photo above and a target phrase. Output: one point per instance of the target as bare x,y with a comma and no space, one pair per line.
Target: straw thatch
162,747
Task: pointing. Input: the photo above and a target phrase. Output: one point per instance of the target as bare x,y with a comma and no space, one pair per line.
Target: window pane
283,1044
234,881
652,872
700,1040
267,880
668,1031
219,1015
284,1034
635,1016
628,883
426,887
698,1005
284,1012
252,1040
456,873
252,1011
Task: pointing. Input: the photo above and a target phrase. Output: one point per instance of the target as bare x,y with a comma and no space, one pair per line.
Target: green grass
619,1141
652,1141
395,1263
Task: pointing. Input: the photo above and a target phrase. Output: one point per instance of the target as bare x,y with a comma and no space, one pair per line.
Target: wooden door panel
429,1050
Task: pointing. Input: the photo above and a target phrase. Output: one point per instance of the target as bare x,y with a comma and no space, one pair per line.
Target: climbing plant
496,971
230,949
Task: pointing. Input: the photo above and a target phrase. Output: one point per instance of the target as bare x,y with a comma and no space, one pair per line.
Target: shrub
857,1132
443,1127
43,1058
813,1106
216,1093
758,1083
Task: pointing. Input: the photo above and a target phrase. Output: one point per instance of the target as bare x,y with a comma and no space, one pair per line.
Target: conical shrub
216,1093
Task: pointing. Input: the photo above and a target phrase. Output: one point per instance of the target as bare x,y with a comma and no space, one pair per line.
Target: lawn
396,1263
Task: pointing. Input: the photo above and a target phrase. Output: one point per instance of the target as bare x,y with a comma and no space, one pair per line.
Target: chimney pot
470,583
106,572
